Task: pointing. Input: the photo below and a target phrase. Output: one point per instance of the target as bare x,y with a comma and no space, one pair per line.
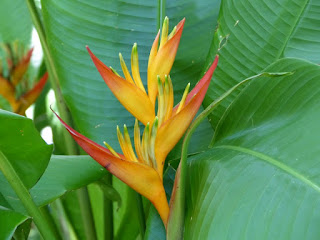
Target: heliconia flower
19,104
28,98
8,91
130,90
144,173
21,68
161,59
142,169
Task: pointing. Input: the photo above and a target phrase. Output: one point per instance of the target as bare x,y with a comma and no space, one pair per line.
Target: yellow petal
111,150
123,145
129,144
183,99
145,144
142,178
173,129
161,102
125,69
135,67
163,61
130,96
137,142
151,145
173,32
154,49
164,32
169,96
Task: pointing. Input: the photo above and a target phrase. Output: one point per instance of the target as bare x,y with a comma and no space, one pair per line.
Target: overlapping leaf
259,33
10,221
26,151
261,178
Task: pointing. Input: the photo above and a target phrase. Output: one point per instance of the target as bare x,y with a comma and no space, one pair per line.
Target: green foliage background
260,177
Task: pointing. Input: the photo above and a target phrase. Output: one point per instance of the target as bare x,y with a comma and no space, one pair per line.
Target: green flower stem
161,13
86,213
177,208
46,213
108,211
142,221
61,220
71,147
53,77
22,192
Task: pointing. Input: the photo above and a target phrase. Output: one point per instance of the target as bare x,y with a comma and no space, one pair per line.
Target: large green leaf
15,21
9,222
261,178
63,174
261,32
26,151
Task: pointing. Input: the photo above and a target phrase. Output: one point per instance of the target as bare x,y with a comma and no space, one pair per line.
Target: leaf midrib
298,20
275,163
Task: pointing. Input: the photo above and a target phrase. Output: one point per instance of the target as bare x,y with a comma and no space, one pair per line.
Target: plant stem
53,77
86,213
142,221
22,192
46,213
161,13
176,218
62,221
108,211
71,147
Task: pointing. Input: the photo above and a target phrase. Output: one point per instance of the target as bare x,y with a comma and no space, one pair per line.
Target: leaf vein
275,163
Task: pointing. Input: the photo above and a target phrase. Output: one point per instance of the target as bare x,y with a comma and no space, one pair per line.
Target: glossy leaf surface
259,33
9,222
26,151
261,178
15,21
60,176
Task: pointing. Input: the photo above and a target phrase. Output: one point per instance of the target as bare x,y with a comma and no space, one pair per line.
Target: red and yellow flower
15,79
143,170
